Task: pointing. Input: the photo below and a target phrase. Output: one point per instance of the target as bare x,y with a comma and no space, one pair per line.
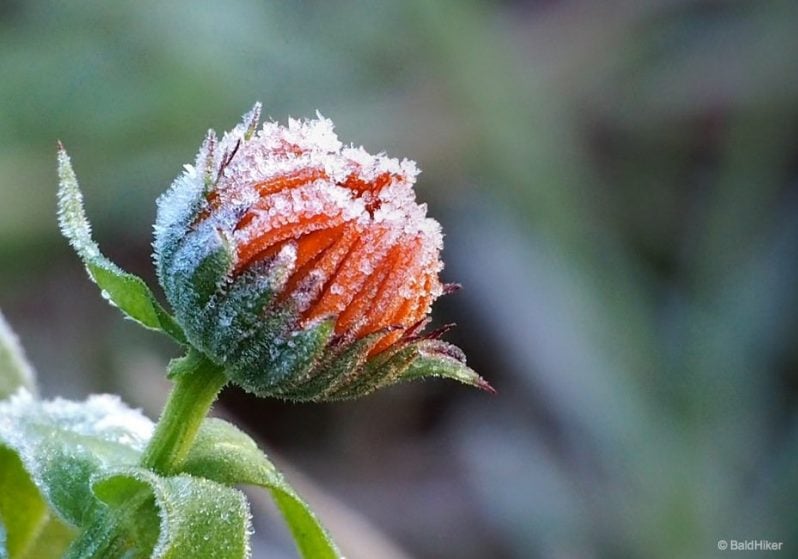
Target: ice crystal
101,416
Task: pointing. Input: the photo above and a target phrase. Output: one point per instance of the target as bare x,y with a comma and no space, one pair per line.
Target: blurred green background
618,182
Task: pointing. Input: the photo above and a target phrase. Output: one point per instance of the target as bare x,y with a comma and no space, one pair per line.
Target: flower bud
306,268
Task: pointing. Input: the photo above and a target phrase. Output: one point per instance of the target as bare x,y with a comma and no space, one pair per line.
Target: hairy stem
197,383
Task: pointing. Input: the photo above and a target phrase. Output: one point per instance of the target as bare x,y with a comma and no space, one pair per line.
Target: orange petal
324,265
289,180
407,314
311,245
388,298
352,273
255,247
353,314
385,342
354,182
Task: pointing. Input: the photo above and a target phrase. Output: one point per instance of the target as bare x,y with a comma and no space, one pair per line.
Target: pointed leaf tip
71,215
440,359
485,386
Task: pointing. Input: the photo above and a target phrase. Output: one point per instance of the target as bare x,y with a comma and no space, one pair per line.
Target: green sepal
415,359
436,358
251,120
381,370
15,371
195,275
223,453
127,292
212,270
340,361
274,358
238,312
174,517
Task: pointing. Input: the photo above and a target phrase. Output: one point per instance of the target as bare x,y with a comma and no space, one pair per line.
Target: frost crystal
101,416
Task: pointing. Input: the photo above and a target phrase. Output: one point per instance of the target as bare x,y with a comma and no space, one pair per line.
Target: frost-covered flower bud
304,267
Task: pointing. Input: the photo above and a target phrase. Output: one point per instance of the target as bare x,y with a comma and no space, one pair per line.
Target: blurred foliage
618,185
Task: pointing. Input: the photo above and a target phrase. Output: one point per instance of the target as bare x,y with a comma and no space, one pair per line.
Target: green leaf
53,539
225,454
172,517
82,456
15,371
124,290
23,512
62,444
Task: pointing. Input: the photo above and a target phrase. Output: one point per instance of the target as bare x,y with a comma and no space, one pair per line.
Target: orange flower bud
291,258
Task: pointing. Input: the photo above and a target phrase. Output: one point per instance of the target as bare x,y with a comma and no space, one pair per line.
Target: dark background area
618,182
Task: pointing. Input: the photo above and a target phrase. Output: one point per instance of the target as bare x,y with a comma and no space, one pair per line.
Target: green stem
197,383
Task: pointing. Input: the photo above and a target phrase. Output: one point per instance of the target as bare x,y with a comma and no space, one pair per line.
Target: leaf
82,456
124,290
173,517
15,371
53,539
23,512
225,454
62,444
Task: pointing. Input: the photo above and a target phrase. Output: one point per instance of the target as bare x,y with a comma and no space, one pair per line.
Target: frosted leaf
71,216
63,443
103,417
15,370
198,518
224,454
128,292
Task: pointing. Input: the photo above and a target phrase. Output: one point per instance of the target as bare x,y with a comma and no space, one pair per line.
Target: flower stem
197,384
